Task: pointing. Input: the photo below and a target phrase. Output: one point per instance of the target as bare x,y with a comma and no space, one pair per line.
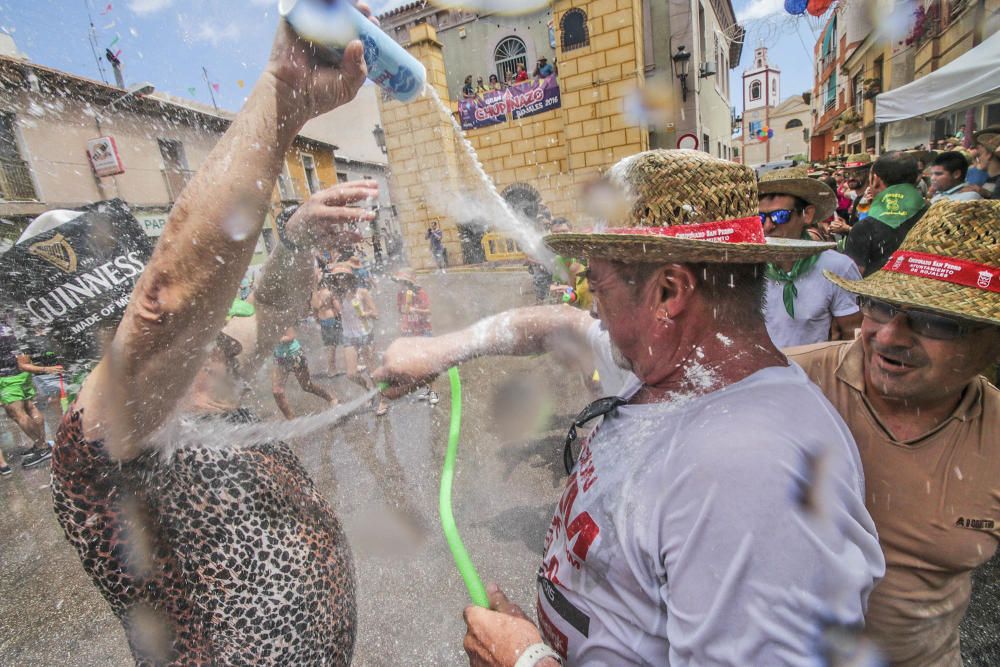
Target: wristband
535,654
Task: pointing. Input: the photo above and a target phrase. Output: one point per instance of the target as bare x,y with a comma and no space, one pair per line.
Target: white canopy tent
970,79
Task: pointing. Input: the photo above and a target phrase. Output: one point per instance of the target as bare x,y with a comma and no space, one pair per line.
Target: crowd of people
794,440
511,77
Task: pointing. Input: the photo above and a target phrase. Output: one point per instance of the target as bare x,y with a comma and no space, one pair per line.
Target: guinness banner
71,279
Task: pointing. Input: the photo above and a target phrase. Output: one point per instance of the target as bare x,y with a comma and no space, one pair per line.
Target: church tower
761,93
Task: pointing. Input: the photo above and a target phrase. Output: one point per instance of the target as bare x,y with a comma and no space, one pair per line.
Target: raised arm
181,300
410,362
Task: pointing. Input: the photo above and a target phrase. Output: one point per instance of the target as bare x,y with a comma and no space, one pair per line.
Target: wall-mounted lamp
681,61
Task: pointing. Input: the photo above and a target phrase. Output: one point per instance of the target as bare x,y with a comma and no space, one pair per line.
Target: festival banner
74,277
517,101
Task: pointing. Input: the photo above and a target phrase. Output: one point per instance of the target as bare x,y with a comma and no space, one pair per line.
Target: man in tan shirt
925,422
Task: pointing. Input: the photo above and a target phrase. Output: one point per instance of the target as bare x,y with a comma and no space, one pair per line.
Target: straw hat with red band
948,263
681,206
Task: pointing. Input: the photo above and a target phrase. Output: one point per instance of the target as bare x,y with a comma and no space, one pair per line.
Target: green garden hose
465,567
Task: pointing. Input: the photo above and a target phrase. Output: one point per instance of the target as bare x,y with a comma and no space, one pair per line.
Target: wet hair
952,161
896,169
737,290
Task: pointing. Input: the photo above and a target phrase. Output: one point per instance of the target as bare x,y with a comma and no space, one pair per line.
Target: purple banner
518,101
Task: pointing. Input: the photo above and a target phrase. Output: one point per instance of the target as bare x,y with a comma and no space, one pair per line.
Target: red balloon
818,7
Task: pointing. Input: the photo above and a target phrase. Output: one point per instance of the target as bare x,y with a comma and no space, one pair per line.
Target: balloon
770,133
796,7
818,7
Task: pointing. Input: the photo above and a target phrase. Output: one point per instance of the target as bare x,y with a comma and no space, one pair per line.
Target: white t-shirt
817,303
680,538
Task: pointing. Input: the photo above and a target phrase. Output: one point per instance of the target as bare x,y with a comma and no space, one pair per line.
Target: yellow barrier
498,247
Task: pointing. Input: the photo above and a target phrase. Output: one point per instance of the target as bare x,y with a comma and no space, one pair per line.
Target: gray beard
621,361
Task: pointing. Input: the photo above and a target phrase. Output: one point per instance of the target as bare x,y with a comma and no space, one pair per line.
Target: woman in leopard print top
220,554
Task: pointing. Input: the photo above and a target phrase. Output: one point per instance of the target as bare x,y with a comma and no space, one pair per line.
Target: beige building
49,120
605,53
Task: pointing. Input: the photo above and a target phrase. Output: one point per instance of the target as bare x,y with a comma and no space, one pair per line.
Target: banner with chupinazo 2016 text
517,101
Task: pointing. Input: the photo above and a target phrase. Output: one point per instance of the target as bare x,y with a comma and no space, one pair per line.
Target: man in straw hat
800,304
896,206
926,423
716,514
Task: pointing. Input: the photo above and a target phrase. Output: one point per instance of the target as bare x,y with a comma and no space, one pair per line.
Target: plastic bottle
334,23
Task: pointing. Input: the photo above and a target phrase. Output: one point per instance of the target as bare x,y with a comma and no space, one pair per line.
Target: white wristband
535,654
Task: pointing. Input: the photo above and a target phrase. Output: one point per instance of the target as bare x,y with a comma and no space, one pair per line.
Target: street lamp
379,134
681,61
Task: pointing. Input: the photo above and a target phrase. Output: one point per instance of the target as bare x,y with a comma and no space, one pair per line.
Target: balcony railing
15,180
829,104
176,179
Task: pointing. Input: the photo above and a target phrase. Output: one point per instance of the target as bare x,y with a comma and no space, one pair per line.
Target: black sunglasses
598,408
921,322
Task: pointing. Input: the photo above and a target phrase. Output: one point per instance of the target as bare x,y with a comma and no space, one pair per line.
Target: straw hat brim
926,294
636,248
808,189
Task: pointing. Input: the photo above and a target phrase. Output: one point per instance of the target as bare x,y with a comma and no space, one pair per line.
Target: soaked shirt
935,501
217,556
724,529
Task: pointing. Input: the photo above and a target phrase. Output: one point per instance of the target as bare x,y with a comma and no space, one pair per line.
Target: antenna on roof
92,38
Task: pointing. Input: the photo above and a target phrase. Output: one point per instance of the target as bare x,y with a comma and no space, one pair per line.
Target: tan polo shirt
935,501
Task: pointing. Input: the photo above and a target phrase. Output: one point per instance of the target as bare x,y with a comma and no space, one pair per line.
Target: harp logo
56,251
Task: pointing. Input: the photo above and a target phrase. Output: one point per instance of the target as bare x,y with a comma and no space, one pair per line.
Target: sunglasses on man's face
778,217
598,408
922,323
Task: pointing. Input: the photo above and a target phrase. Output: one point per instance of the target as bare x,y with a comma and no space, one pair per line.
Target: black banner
78,276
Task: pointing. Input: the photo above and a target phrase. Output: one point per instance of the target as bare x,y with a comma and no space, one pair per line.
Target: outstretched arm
410,362
181,300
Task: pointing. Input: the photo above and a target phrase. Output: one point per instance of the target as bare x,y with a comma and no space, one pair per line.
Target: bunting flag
114,41
192,91
240,82
215,87
107,10
110,26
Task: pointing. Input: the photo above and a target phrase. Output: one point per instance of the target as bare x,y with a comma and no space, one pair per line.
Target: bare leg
351,361
29,419
279,376
332,364
302,375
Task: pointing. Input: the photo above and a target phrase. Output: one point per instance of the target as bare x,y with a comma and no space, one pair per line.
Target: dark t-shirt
871,242
9,349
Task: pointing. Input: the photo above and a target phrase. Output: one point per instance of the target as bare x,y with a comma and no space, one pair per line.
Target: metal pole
210,93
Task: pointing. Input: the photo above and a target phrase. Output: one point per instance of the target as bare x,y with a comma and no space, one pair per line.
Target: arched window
755,90
509,53
795,122
524,199
573,27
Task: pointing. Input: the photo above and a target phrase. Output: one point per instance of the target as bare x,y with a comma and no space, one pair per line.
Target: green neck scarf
896,204
790,291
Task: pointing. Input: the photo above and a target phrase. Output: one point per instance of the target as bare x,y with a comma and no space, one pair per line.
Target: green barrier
458,552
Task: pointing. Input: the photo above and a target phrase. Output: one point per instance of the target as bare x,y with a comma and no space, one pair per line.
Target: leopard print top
215,557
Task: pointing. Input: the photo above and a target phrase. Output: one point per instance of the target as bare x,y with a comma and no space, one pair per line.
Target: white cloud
759,9
215,35
148,6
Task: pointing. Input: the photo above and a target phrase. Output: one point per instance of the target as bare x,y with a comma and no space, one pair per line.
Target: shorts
331,331
16,388
292,363
359,341
47,385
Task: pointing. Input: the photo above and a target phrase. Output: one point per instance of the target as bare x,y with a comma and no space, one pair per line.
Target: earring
663,315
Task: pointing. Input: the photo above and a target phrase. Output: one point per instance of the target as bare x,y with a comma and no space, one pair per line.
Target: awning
970,79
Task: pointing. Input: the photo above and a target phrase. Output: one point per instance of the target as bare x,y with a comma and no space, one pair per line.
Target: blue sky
167,42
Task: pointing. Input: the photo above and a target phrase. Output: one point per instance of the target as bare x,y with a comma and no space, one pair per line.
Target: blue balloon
796,7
